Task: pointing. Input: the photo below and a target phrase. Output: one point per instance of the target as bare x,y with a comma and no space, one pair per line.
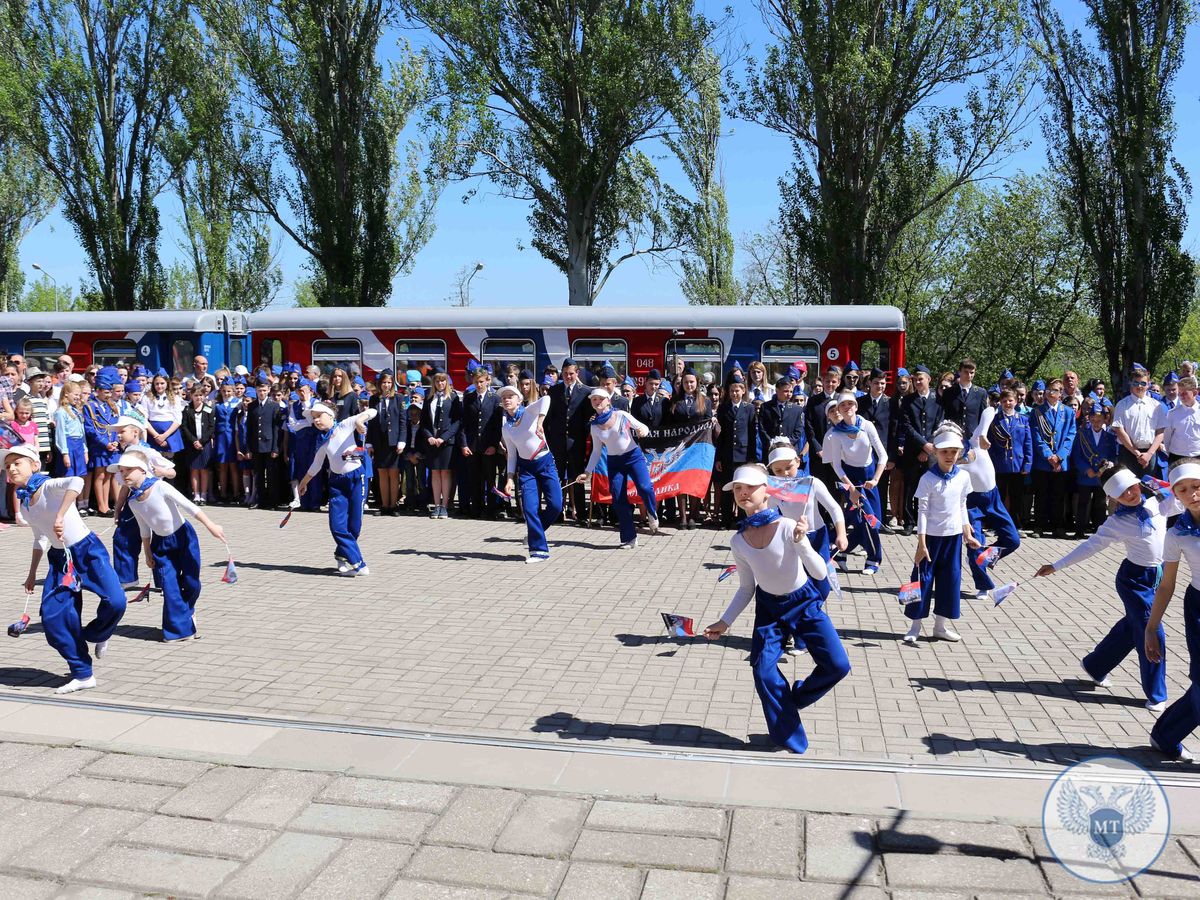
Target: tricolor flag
143,594
16,629
909,593
230,576
726,572
986,558
1157,487
496,492
790,490
69,581
997,595
682,468
678,626
286,518
835,583
9,437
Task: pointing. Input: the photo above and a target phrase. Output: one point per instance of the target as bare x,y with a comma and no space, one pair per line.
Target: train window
875,355
420,355
183,351
109,353
237,349
779,356
270,353
502,352
701,354
330,355
43,354
593,354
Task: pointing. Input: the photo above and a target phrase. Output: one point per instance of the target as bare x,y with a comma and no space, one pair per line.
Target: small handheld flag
835,583
678,626
9,437
286,518
997,595
230,576
496,492
143,594
16,629
871,520
69,580
790,490
726,572
986,558
909,593
1155,486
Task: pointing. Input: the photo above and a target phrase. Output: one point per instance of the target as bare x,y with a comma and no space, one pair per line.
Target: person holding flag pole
985,507
77,559
525,446
131,434
617,431
779,568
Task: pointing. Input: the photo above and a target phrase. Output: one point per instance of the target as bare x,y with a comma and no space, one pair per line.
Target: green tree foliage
553,102
104,79
708,263
996,274
26,195
1110,130
327,164
863,90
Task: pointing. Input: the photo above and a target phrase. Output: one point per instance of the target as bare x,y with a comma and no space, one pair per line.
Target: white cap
1184,472
26,450
600,392
752,475
75,376
781,453
319,408
1121,481
241,370
122,421
131,459
846,397
508,389
947,440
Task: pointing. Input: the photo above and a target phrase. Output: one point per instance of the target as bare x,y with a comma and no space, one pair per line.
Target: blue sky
491,229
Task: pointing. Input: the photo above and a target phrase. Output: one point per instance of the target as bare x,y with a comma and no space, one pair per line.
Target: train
364,341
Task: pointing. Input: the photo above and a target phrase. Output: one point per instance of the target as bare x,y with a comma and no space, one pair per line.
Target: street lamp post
53,280
467,286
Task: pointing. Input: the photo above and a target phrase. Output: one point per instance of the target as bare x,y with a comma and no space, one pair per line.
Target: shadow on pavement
139,632
278,567
1058,752
23,676
570,727
1067,689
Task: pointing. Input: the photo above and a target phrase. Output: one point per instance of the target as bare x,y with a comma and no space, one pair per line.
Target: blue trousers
820,542
539,481
940,577
127,545
862,534
1182,717
622,468
1135,587
801,614
62,607
986,508
177,563
345,514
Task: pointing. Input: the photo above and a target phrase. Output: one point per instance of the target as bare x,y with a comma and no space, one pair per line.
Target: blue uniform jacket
1053,434
1090,452
1012,444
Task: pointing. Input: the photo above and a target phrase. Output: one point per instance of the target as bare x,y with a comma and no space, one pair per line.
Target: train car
633,340
166,339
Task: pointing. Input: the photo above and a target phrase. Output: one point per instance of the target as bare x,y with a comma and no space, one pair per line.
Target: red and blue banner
684,467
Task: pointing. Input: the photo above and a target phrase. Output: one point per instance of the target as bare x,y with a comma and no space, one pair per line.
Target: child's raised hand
715,630
1044,571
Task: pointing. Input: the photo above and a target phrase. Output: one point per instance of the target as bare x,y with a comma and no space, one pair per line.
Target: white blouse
618,437
781,567
160,510
41,513
521,437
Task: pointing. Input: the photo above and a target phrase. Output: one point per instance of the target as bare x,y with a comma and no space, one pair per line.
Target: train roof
198,320
847,318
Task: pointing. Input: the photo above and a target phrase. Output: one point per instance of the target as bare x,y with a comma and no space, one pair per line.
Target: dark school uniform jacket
735,442
649,410
567,420
264,427
390,427
777,419
187,426
920,418
1012,444
480,421
964,407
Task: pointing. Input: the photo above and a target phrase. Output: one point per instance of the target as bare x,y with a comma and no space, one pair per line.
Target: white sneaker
101,649
343,567
1098,682
653,525
361,571
1156,707
914,631
870,569
76,685
536,558
982,595
943,632
629,545
1184,754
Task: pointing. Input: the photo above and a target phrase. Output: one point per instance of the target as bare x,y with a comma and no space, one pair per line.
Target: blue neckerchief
760,518
1140,511
851,430
323,436
147,483
1185,526
36,480
513,418
945,476
602,418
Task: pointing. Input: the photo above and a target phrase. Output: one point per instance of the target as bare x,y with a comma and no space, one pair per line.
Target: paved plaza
459,724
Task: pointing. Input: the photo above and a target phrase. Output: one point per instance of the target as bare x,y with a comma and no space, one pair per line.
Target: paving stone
91,892
948,871
1173,874
199,837
629,848
593,881
67,846
1063,881
543,826
278,799
46,769
475,818
656,818
15,755
154,769
840,848
395,794
285,867
213,793
664,884
13,887
360,821
361,869
428,890
152,870
764,842
131,795
26,821
969,838
745,887
478,868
